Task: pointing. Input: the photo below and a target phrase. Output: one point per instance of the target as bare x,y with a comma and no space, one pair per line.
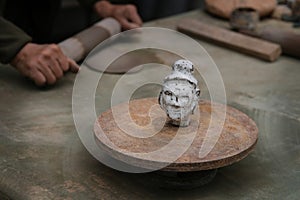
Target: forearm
127,14
12,40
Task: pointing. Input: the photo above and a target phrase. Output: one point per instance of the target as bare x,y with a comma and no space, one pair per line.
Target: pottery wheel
236,140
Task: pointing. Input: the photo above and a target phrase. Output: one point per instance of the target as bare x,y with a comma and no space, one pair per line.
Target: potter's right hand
44,64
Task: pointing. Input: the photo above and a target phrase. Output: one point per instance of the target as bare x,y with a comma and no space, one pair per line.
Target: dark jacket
12,38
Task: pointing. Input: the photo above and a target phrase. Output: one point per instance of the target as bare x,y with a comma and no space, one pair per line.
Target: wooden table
41,156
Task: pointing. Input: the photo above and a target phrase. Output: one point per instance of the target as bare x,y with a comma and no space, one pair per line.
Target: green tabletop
41,155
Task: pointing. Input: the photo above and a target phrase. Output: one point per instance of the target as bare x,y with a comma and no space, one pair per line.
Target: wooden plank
236,41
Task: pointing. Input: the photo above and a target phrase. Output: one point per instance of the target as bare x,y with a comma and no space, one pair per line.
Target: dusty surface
41,156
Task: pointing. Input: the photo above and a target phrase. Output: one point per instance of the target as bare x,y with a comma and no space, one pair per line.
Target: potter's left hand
126,14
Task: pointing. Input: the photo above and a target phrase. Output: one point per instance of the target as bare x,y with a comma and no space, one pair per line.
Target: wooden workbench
41,156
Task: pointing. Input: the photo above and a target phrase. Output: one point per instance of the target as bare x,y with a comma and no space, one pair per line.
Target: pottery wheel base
237,138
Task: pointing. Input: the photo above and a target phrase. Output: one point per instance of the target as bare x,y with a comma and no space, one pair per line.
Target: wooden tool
236,41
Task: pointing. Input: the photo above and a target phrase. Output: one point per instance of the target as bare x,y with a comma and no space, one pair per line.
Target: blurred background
72,17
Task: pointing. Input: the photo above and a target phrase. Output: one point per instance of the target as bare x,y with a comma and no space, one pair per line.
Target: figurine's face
179,98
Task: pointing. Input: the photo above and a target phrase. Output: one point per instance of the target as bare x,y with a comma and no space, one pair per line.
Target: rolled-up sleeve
12,40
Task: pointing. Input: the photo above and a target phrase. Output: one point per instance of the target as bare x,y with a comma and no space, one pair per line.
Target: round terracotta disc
123,134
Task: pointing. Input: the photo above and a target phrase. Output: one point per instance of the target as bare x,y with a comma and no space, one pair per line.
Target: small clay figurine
180,94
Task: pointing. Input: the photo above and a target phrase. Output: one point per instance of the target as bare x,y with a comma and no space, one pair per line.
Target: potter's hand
126,14
44,64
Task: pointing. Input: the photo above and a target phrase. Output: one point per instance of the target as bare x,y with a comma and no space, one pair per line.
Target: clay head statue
180,94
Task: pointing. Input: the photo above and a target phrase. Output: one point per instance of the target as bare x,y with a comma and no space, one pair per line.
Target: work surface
41,155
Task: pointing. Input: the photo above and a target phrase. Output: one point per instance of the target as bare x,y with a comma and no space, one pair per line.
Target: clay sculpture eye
167,92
